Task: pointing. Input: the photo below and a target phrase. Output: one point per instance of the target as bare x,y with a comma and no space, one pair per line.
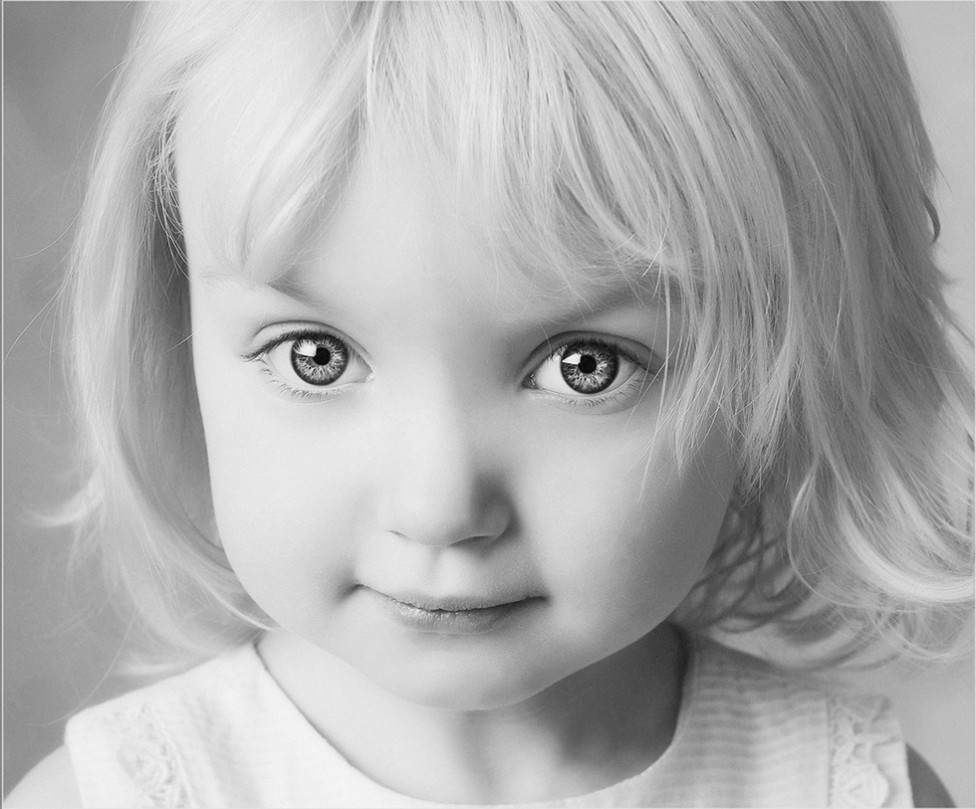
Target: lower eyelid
284,389
636,386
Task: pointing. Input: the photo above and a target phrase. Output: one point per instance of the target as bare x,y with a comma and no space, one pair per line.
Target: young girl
449,369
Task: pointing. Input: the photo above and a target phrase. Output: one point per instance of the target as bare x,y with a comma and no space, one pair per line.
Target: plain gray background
58,642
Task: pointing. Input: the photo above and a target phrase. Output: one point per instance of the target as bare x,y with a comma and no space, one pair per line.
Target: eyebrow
656,287
659,286
285,284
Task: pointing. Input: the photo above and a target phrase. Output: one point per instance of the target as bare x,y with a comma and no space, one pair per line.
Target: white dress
225,735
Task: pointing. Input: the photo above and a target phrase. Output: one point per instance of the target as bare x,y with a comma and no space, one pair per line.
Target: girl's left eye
592,371
311,364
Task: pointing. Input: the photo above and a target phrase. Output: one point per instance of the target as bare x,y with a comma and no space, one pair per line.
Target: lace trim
855,780
149,758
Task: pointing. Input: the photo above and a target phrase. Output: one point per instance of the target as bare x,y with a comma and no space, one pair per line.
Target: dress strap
149,757
868,765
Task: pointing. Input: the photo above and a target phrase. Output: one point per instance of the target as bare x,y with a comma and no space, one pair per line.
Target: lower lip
459,622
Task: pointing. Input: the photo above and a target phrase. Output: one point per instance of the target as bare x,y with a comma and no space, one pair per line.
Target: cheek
285,504
627,537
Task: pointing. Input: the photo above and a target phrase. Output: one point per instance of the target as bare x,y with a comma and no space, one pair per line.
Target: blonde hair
767,160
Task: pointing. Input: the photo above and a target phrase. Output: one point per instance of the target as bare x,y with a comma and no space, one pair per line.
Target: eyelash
635,385
638,382
295,393
280,386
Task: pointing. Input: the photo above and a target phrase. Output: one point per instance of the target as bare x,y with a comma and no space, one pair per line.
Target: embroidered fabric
777,744
855,780
149,759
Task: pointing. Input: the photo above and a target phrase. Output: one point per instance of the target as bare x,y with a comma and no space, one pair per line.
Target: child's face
390,427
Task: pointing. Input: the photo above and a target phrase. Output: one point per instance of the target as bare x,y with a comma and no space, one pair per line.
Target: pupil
587,364
588,367
322,355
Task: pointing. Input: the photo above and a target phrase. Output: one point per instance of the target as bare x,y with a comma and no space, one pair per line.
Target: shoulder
203,682
51,783
183,702
160,737
927,789
846,743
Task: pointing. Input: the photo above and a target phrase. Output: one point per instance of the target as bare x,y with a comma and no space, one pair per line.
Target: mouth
455,614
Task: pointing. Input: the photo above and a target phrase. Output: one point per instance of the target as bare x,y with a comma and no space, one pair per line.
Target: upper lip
454,603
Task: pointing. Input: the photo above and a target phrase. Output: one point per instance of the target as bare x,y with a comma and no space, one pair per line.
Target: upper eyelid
614,345
553,345
299,332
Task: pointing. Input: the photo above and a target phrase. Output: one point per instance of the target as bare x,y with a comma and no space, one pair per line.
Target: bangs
515,99
565,159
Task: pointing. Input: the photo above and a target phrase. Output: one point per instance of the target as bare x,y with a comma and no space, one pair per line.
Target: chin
463,686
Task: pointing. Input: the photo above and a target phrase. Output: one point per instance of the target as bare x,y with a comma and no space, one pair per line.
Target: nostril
434,537
481,525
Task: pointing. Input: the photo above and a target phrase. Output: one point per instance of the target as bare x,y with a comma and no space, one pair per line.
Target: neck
597,727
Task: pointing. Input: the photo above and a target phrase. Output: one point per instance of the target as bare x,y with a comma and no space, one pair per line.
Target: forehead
403,237
273,126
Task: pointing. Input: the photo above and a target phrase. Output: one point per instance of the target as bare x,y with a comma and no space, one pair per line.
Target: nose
442,487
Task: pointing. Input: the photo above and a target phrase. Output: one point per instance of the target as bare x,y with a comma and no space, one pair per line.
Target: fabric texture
225,735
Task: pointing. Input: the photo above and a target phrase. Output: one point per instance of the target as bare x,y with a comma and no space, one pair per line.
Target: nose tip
443,483
427,524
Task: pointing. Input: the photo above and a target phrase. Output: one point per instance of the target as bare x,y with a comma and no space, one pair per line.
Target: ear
927,789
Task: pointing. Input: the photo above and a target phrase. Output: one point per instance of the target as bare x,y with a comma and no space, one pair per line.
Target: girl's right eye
311,364
318,361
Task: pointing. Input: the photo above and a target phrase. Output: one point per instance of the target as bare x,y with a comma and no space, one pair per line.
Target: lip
455,614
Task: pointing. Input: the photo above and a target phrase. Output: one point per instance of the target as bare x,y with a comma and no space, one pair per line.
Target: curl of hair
766,161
